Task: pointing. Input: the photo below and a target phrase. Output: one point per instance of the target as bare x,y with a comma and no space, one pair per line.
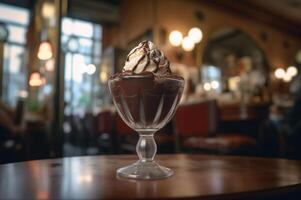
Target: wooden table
196,176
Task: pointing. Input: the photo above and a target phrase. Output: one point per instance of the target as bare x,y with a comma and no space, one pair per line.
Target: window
81,43
16,21
211,78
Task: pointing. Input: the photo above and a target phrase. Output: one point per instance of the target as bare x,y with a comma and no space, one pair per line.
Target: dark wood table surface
196,176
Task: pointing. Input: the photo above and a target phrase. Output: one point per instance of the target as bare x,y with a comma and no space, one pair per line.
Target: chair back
19,112
121,127
89,124
197,120
104,122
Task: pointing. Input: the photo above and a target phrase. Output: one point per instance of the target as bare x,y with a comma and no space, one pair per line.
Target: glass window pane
16,34
68,67
14,78
77,27
88,60
82,28
79,64
85,46
78,80
14,14
64,40
16,57
67,26
97,31
97,48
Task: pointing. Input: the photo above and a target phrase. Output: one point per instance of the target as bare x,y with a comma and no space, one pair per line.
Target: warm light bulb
187,44
90,69
207,87
175,38
279,73
292,71
36,80
49,65
287,78
195,34
45,51
103,76
214,85
48,10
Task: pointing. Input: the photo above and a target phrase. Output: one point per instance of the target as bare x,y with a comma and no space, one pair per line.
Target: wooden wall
137,17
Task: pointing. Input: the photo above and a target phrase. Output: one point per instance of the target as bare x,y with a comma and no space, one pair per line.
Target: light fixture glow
23,94
195,34
214,85
287,78
45,50
90,69
279,73
234,83
187,44
103,76
292,71
207,87
36,79
175,38
48,10
298,56
49,65
87,178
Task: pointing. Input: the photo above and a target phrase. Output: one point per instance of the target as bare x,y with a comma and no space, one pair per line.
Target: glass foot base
145,171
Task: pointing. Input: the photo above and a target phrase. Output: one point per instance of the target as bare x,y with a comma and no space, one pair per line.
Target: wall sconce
103,76
36,79
48,10
49,65
194,36
45,50
286,75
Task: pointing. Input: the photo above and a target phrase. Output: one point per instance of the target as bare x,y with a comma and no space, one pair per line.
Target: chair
19,112
128,139
196,127
105,131
12,147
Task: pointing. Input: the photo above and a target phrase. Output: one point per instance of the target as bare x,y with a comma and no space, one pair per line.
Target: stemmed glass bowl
146,103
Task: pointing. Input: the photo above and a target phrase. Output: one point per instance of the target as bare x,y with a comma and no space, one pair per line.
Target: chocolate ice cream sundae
146,95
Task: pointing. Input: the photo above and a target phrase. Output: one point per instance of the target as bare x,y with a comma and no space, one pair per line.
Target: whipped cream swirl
147,58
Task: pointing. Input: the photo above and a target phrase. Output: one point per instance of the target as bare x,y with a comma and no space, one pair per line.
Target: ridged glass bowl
146,103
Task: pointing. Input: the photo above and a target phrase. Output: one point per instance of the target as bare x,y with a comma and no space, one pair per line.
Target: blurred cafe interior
241,61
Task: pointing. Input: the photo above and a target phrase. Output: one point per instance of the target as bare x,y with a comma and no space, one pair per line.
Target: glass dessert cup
146,103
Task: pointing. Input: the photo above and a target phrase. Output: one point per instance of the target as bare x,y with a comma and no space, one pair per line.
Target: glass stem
146,147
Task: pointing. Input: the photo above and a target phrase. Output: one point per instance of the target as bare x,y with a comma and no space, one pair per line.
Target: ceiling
289,9
281,14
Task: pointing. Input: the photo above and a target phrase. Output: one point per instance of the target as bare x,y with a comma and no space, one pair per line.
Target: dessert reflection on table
196,176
